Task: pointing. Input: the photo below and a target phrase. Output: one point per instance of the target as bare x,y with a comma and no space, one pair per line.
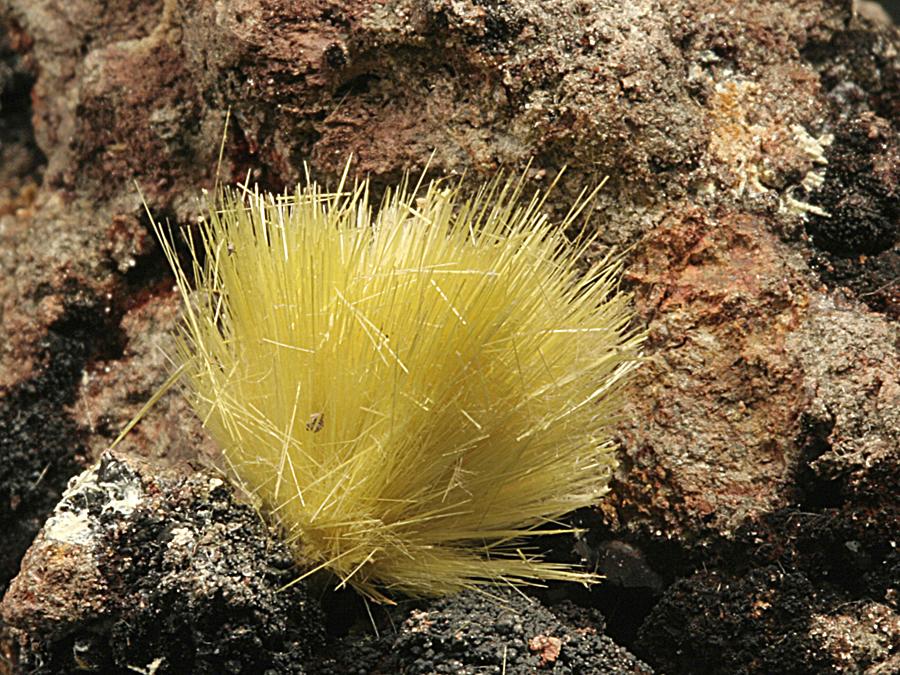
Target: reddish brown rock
711,439
752,150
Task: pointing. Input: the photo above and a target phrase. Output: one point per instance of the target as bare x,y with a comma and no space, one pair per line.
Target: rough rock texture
475,633
20,158
753,157
153,570
768,621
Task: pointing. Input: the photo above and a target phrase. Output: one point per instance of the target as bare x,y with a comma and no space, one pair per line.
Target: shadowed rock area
753,158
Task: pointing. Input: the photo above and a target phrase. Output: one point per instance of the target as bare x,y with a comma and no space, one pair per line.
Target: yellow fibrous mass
411,393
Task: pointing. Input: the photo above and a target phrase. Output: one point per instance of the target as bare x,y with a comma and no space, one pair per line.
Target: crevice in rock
21,160
41,446
816,492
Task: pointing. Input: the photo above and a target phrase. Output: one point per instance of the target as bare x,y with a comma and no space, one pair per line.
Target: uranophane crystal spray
413,392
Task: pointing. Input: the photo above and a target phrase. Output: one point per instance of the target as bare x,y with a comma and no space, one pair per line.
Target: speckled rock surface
476,633
768,621
753,157
155,570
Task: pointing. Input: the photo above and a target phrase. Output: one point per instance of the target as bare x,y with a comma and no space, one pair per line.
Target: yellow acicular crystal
411,393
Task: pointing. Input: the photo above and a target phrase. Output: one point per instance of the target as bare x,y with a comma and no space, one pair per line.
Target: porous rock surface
161,572
472,633
753,157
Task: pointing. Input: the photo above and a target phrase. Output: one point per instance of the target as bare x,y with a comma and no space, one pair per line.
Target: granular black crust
503,632
856,246
188,582
846,550
710,623
874,280
862,191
